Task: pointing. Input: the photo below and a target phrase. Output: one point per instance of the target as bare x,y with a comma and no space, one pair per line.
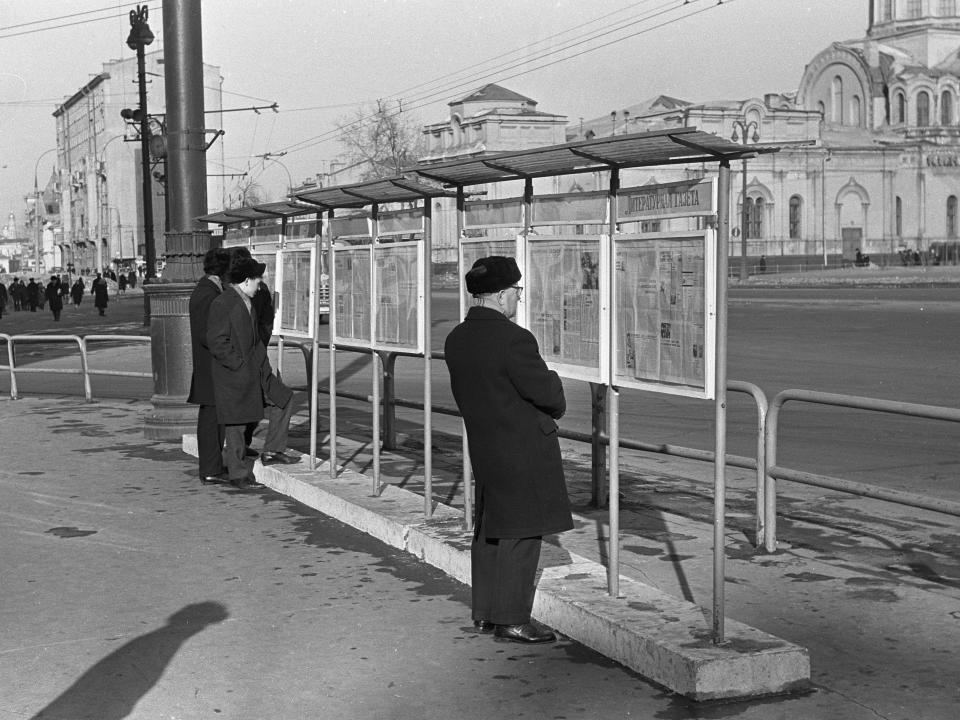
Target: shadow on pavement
111,689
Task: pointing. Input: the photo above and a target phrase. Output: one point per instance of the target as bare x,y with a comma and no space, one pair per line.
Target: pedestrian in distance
3,298
76,292
16,294
64,289
99,288
52,293
243,381
210,433
122,284
510,402
33,295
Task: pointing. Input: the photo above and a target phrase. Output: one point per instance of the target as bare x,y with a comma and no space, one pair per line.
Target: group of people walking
29,296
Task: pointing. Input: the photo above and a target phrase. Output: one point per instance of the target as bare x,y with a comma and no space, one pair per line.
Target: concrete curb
664,639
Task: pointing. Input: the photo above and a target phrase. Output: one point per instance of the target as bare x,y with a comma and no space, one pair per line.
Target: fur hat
246,268
492,274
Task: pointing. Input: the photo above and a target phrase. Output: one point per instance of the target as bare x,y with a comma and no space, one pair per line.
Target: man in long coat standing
509,401
243,381
209,431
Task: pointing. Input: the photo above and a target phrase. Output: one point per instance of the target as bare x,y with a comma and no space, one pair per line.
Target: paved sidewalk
872,591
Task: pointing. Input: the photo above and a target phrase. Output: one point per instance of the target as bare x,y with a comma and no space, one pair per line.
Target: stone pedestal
170,350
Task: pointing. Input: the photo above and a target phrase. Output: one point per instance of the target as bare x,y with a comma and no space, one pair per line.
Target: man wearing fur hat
243,381
510,402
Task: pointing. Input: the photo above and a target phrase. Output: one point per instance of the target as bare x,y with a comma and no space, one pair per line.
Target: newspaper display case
664,312
296,302
472,249
392,275
565,286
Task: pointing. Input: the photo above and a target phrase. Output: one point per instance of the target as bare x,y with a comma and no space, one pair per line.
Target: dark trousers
235,445
504,574
210,436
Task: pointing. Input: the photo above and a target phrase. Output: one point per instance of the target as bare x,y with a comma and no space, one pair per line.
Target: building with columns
870,145
99,164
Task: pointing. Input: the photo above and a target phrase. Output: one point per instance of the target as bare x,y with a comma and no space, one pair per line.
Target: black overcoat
242,376
100,293
509,399
201,380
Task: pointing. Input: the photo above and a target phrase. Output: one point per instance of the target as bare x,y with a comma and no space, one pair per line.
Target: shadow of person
110,689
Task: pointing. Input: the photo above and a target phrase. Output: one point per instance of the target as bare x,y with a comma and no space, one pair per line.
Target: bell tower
927,29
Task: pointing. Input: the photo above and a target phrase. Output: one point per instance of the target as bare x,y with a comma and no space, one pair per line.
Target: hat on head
492,274
246,268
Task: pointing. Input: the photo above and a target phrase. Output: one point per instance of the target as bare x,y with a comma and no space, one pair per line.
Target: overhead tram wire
422,99
480,64
4,34
426,100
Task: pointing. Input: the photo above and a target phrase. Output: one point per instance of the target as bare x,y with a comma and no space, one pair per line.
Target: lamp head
140,33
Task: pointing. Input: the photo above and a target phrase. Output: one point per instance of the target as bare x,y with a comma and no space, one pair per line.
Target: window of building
898,217
946,108
754,218
855,110
900,108
836,100
948,8
914,8
888,9
822,109
796,205
952,216
923,108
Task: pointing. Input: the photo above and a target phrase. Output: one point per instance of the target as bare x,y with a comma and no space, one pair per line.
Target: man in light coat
243,381
510,402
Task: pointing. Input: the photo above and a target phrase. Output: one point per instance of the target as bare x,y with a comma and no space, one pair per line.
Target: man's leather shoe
277,458
483,626
246,482
526,633
219,479
251,453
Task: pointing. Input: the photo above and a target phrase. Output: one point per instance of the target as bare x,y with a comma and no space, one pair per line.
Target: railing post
770,485
388,360
598,453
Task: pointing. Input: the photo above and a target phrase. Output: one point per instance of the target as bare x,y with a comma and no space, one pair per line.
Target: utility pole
140,36
744,127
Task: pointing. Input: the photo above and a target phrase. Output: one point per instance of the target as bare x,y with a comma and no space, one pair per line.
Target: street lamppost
141,36
741,131
36,209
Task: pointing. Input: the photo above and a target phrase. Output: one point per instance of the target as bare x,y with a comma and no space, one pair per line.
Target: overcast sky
318,59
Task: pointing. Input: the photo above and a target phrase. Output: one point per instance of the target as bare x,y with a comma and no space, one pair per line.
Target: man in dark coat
52,293
76,292
3,298
99,288
509,401
243,381
209,431
33,295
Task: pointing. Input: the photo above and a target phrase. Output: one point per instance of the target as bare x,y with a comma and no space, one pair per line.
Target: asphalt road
893,343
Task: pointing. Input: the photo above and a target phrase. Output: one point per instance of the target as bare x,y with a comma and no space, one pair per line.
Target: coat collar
477,312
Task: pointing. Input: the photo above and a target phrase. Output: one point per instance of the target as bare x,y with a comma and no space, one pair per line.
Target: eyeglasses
518,288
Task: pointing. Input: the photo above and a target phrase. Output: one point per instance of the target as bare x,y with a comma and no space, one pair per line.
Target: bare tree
381,138
246,192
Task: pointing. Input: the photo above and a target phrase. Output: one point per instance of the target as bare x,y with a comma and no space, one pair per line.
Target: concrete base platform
664,639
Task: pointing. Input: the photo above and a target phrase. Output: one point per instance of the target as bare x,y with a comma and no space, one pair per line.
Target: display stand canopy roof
662,147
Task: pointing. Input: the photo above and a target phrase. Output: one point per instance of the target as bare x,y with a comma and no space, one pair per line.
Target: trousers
235,446
504,575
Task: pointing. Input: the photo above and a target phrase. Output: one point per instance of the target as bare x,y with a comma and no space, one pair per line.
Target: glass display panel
351,290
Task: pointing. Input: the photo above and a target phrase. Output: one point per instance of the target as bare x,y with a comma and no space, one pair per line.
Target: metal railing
775,472
767,427
82,345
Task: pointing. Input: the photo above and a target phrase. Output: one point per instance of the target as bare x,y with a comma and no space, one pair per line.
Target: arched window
952,216
855,110
898,217
822,109
754,218
923,108
836,100
900,105
796,206
946,108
